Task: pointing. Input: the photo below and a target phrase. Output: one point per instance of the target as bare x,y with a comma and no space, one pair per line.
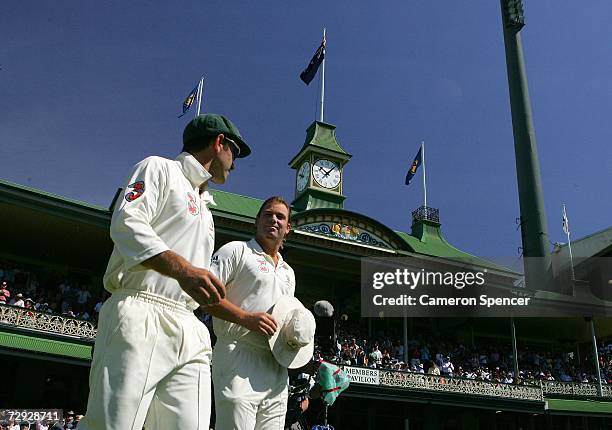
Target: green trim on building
579,406
46,346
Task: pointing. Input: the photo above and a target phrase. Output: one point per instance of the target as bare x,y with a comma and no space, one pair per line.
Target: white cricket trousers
250,387
151,366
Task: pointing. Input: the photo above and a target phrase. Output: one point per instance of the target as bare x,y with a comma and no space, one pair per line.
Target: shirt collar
208,198
255,246
192,169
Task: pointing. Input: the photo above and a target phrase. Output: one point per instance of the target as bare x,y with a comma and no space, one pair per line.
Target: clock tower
319,169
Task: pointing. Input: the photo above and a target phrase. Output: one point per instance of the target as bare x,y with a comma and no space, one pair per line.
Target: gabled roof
597,244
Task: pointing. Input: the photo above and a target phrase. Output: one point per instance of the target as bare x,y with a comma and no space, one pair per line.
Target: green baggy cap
332,380
212,124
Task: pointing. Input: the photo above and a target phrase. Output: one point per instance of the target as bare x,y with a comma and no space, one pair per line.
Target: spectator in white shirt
18,301
447,367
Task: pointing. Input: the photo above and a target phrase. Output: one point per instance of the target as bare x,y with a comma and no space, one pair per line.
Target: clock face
302,176
326,173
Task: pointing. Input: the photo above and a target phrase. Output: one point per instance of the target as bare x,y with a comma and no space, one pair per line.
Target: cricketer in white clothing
151,358
250,385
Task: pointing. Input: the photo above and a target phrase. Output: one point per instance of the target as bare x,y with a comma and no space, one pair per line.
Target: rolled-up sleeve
131,226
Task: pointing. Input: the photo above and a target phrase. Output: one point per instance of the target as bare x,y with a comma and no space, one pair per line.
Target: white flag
565,222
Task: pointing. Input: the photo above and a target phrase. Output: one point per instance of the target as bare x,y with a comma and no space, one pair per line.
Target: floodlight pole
598,372
534,230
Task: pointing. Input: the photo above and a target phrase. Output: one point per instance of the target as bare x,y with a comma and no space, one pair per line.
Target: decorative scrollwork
344,231
574,389
324,228
427,214
40,321
459,385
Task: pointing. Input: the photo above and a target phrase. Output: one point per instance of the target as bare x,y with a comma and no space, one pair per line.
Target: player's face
223,161
273,222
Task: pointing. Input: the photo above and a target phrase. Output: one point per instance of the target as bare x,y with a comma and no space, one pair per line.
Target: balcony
44,323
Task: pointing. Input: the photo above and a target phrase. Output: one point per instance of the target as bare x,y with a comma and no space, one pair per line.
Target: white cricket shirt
161,210
252,282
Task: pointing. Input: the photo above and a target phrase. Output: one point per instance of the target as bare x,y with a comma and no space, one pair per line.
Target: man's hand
202,286
259,322
304,405
199,283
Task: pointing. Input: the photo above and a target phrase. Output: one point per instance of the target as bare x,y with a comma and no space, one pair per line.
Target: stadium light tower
534,231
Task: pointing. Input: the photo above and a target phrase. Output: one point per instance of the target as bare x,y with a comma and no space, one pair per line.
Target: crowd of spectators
71,296
490,362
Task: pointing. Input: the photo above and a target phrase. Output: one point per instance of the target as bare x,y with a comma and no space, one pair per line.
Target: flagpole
424,182
323,77
200,88
569,242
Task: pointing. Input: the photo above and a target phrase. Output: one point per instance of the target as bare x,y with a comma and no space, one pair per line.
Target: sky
89,88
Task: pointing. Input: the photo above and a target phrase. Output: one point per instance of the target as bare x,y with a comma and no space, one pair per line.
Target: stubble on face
220,166
273,222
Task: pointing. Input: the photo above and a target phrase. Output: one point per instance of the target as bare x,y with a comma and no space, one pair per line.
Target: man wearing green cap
151,358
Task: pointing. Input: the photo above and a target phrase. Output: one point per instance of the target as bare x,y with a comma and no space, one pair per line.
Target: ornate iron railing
459,385
536,390
575,389
66,326
426,213
48,323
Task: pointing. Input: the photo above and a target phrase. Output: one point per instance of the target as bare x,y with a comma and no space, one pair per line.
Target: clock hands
326,172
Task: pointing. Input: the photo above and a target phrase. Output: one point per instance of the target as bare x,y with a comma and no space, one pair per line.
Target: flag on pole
565,222
311,70
191,97
415,165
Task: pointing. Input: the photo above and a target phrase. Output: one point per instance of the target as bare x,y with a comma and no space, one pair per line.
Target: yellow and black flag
191,97
415,165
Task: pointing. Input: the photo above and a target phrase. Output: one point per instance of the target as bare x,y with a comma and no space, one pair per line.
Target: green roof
245,208
324,136
9,188
434,244
235,204
593,245
47,346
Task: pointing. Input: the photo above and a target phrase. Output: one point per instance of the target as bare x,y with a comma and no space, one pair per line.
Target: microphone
323,308
325,334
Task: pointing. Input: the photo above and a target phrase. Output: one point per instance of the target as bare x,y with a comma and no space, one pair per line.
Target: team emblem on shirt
192,204
138,189
263,266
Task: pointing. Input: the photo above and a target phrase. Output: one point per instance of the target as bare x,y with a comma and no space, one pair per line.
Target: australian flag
189,100
415,165
311,70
